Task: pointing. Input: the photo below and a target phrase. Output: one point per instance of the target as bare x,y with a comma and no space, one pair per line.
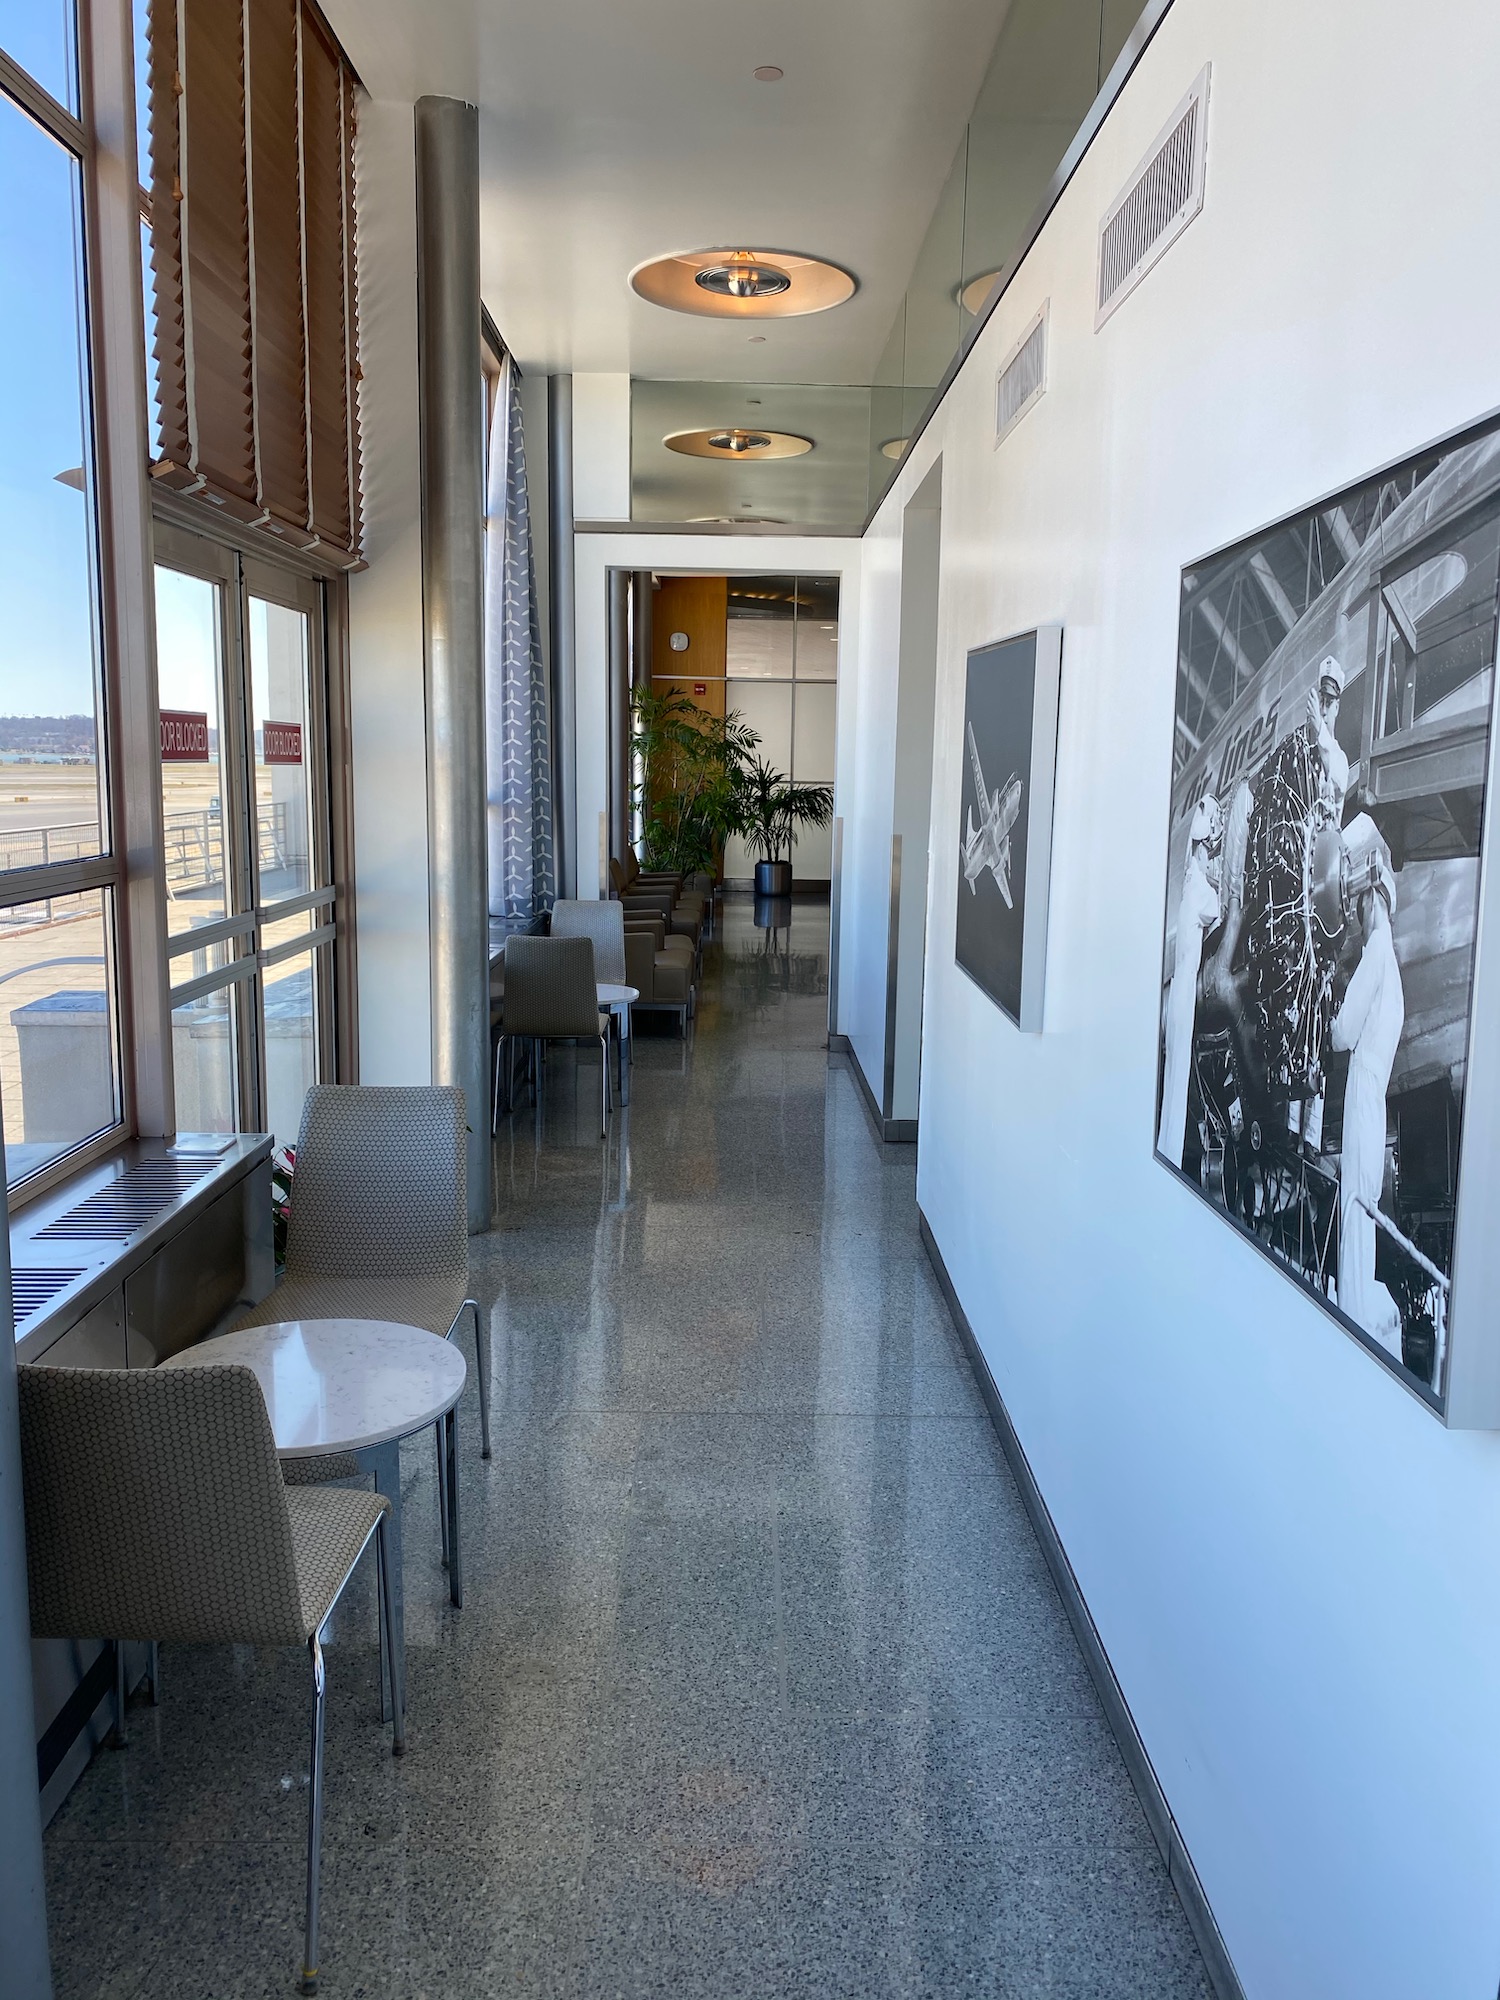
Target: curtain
518,737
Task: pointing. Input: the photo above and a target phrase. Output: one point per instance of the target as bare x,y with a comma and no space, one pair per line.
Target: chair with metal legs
551,995
379,1230
155,1509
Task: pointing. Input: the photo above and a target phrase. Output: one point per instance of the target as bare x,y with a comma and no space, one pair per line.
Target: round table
619,999
354,1385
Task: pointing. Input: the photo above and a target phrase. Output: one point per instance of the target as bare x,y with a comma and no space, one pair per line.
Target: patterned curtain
518,743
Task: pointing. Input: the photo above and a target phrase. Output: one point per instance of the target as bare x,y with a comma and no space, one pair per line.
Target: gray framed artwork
1319,1078
1005,819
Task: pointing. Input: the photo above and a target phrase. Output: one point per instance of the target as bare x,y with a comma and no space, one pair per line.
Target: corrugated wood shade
252,128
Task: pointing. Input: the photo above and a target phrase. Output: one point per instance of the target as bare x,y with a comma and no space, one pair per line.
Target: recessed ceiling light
728,441
973,295
742,283
743,276
753,402
757,340
893,447
769,73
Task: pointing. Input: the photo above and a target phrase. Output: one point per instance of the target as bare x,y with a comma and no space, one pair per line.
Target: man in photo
1322,717
1368,1026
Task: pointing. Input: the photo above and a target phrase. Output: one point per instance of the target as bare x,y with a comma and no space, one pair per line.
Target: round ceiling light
742,284
973,295
768,73
893,447
741,277
732,442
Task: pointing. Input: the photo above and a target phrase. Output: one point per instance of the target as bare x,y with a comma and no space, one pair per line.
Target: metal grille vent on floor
31,1290
127,1204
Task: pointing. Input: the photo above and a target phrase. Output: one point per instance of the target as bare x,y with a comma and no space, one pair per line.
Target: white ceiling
613,133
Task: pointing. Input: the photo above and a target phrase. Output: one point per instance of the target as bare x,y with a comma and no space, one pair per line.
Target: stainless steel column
642,644
451,396
23,1908
619,713
560,565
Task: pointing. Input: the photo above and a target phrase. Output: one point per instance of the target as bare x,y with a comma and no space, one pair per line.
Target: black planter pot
773,878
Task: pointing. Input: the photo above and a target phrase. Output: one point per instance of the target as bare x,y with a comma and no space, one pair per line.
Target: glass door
249,892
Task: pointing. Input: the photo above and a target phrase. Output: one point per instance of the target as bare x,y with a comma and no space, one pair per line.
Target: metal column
619,713
560,595
451,395
23,1908
642,643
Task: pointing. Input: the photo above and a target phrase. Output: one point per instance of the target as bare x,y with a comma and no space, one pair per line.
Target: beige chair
379,1230
604,923
552,995
156,1509
662,978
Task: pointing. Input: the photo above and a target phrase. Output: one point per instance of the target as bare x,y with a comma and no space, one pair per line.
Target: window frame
108,440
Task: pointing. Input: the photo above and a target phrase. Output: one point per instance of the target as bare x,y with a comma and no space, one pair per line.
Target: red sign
281,742
184,736
700,687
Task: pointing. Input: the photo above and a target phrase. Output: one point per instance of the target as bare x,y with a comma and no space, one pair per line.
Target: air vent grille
1162,197
116,1212
31,1290
1022,378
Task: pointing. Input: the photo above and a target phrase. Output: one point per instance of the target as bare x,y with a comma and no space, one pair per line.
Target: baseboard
890,1131
1184,1876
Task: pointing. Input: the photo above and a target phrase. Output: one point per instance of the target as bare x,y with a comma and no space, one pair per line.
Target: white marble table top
340,1384
612,995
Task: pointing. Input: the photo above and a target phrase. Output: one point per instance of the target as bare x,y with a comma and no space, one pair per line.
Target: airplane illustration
988,844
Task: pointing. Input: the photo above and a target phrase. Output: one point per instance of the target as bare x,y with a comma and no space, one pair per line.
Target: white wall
1291,1563
388,710
707,555
601,447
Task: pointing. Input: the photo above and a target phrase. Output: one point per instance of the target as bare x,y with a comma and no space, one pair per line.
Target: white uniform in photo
1368,1025
1197,913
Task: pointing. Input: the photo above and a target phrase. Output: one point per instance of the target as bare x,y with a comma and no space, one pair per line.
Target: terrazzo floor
761,1687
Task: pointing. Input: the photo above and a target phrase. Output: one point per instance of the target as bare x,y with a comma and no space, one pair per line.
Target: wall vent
1158,202
31,1290
1023,376
129,1203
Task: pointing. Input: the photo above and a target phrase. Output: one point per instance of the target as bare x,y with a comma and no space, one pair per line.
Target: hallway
761,1686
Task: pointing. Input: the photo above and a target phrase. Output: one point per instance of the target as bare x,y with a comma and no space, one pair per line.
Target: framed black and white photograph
1335,684
1005,819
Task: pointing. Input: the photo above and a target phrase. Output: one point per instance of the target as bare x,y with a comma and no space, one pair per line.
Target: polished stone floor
761,1687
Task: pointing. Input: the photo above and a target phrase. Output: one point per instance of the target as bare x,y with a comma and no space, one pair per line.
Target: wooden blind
252,251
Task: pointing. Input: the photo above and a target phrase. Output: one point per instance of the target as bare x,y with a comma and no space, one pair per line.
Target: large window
249,883
781,667
60,1070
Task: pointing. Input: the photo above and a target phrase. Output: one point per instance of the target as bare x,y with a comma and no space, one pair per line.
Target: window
245,810
61,1082
781,660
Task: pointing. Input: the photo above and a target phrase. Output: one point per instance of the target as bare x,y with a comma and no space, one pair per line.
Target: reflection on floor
761,1687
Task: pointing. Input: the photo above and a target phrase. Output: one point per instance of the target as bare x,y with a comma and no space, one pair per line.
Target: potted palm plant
689,765
768,808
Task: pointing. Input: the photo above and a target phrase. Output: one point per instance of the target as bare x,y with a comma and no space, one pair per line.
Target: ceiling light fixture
973,295
742,283
769,73
739,442
893,447
743,276
757,340
730,441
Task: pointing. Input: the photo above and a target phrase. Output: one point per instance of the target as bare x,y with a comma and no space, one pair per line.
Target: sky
46,565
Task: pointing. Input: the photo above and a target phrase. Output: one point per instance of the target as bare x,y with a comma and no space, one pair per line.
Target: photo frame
1005,819
1319,1078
